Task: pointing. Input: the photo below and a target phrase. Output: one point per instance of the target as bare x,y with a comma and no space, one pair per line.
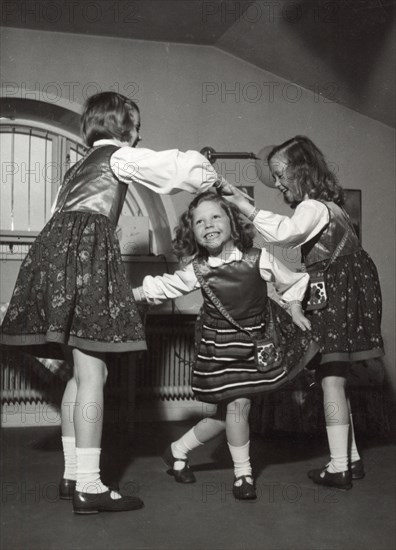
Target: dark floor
290,513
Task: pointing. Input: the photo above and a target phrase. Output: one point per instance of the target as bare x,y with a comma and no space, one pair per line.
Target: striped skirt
224,367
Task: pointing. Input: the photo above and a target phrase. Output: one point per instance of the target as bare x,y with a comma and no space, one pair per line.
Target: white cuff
253,214
294,303
139,295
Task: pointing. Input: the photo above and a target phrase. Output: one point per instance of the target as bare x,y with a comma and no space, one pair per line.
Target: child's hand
143,309
141,302
231,193
236,197
227,189
299,318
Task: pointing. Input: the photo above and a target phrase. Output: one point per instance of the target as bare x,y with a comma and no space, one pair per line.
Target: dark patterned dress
72,287
225,368
348,329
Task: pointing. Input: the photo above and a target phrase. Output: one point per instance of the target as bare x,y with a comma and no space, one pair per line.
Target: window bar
12,177
68,152
29,172
60,160
45,176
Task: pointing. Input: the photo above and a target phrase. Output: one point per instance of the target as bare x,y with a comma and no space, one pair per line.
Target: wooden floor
290,512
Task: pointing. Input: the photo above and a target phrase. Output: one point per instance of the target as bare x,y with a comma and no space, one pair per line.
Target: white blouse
289,285
163,172
309,218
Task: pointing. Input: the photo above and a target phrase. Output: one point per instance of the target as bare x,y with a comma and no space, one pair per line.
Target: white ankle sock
241,459
69,454
88,471
183,446
353,452
338,443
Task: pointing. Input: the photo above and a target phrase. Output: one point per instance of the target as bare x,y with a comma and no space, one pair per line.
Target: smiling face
282,179
212,227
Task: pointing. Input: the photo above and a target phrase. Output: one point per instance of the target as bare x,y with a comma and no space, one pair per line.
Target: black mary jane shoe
93,503
357,469
245,491
66,488
181,476
339,480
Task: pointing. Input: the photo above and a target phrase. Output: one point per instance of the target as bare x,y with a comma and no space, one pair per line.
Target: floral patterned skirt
348,329
72,289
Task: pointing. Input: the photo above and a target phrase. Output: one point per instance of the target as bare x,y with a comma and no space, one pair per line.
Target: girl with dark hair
224,372
347,328
113,117
72,295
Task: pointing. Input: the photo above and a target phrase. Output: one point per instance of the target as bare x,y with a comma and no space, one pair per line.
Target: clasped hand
299,318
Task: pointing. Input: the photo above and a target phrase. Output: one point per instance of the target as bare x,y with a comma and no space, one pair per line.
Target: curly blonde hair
308,168
184,243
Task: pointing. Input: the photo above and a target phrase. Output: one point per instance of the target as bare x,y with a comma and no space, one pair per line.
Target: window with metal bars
33,163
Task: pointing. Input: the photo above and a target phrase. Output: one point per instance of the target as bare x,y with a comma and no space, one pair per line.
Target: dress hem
73,341
351,357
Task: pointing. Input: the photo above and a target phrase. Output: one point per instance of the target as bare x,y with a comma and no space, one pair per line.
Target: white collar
234,256
106,141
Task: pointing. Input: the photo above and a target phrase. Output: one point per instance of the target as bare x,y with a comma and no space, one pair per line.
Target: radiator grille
25,380
163,371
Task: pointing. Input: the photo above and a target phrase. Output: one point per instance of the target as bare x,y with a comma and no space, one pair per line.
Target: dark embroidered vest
238,285
91,186
322,246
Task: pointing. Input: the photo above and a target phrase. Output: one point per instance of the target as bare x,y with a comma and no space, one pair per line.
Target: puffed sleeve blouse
289,285
163,172
309,218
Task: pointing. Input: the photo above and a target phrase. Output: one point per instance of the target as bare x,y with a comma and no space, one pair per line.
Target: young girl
72,296
224,371
348,328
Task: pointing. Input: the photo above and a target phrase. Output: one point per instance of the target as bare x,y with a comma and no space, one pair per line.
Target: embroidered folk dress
224,368
348,329
72,286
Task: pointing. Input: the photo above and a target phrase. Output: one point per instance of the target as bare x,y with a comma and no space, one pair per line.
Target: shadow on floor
290,512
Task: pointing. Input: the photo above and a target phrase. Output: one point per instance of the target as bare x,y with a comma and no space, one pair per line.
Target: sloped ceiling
341,49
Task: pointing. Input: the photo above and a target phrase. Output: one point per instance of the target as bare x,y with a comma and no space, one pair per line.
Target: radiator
25,380
162,372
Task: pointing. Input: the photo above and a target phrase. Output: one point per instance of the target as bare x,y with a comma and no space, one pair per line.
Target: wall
192,96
